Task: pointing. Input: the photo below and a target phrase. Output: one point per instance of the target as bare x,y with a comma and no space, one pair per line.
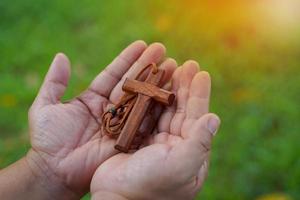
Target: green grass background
256,80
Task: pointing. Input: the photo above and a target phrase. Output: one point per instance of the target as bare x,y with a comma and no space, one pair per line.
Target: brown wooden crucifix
147,92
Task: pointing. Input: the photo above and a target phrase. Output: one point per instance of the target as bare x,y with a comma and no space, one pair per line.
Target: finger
203,130
169,66
95,97
160,138
198,101
196,145
189,69
153,54
167,115
111,75
55,82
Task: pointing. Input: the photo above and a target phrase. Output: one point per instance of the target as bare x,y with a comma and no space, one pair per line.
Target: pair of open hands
70,153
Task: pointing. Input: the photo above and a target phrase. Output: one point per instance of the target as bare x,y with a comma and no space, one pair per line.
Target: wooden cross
146,92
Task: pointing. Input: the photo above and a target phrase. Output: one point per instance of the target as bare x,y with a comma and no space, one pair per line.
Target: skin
68,146
173,164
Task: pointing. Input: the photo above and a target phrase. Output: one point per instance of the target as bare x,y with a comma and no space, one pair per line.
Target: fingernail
213,125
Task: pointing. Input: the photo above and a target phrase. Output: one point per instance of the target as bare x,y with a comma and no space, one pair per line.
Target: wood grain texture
162,96
147,92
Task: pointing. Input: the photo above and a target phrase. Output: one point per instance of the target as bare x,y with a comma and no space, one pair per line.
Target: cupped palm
173,162
66,139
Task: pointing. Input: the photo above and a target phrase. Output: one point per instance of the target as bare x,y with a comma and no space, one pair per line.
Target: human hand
174,162
67,145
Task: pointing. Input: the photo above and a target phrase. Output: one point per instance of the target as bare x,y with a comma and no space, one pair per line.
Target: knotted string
115,118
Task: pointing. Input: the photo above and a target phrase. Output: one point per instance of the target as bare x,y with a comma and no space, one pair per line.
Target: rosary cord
115,118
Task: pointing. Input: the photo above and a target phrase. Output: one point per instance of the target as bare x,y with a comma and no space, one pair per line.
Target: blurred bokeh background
251,49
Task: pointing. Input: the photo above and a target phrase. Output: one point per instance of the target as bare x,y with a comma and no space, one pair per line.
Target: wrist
107,195
45,179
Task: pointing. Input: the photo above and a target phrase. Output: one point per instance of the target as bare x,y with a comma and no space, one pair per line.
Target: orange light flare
234,21
279,19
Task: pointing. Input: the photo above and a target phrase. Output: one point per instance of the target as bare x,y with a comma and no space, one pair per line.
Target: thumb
195,149
55,82
203,131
